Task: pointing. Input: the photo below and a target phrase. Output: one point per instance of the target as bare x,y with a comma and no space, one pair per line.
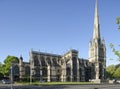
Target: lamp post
41,75
11,78
30,77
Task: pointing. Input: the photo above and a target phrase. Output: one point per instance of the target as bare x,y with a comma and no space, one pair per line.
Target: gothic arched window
36,61
43,61
44,72
54,61
68,71
15,70
37,72
74,60
27,70
49,61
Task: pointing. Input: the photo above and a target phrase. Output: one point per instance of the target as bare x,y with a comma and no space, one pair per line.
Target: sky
55,26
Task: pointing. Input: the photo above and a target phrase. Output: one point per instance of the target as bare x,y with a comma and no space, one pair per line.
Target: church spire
96,33
97,50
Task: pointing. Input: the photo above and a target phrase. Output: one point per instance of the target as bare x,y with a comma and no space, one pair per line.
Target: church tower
97,50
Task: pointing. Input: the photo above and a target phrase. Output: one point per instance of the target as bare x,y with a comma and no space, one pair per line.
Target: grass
54,83
66,83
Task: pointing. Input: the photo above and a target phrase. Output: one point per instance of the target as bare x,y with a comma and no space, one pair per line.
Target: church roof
44,53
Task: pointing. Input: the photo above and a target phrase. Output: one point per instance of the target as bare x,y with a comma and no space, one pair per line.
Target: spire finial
96,8
96,34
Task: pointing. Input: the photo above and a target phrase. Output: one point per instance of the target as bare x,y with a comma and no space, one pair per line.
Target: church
69,67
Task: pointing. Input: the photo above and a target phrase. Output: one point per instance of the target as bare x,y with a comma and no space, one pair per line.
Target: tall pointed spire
96,34
97,50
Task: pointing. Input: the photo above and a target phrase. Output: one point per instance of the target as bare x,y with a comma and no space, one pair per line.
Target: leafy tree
1,75
7,64
117,73
110,71
115,51
0,64
113,71
118,22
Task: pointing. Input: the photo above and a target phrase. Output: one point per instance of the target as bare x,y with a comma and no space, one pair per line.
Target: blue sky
55,26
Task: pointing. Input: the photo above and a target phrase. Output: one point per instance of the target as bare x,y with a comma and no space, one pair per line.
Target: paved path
2,86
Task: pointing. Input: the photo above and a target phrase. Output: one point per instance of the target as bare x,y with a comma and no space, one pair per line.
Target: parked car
42,81
6,81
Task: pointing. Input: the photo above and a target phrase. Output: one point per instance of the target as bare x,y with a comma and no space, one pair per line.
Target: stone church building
68,67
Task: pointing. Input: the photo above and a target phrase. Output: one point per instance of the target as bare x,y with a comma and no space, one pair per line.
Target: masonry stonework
68,67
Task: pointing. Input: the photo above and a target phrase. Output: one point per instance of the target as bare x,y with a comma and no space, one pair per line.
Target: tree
1,75
110,71
113,71
7,63
118,22
117,73
0,64
115,51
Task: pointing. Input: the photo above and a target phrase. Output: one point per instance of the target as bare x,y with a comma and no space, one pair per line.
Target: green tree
1,75
114,50
110,71
113,71
0,64
7,64
118,22
117,73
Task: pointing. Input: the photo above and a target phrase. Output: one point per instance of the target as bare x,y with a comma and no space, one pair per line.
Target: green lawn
54,83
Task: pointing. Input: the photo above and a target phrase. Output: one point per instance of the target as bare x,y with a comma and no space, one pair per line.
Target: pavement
103,86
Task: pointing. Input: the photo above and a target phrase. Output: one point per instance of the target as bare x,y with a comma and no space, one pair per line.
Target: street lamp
41,75
31,75
30,78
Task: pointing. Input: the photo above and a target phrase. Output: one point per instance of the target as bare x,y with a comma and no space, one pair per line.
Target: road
105,86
